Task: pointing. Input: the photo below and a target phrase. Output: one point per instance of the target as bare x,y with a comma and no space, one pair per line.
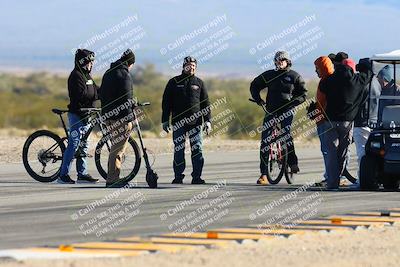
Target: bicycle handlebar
143,104
90,109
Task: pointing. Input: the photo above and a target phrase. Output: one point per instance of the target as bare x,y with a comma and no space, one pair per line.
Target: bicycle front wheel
277,162
42,155
130,162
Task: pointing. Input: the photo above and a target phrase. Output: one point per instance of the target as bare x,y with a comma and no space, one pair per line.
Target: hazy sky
40,34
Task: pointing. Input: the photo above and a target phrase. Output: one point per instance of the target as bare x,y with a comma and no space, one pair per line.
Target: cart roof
390,57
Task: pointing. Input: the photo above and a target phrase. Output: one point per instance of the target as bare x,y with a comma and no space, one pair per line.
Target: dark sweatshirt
344,92
82,90
286,89
116,92
184,96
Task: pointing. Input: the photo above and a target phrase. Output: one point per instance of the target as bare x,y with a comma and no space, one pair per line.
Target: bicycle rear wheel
130,161
42,155
277,162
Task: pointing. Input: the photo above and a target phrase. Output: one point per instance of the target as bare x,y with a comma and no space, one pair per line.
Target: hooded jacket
82,90
344,92
325,68
116,92
185,95
286,89
374,90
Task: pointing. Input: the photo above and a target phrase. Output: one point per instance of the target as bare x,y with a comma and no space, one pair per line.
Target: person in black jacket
286,89
344,90
367,112
186,99
83,92
117,106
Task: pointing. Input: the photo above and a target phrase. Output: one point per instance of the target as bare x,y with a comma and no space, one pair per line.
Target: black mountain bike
277,155
43,150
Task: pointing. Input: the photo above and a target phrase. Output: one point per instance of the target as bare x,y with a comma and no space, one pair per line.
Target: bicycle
277,156
43,150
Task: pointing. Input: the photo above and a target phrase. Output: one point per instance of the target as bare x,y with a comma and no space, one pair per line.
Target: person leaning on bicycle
83,92
286,89
117,99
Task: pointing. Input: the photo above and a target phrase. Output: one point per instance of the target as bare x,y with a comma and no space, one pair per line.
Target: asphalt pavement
39,214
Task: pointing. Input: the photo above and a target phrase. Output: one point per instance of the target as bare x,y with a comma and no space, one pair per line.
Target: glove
261,103
207,127
311,111
165,126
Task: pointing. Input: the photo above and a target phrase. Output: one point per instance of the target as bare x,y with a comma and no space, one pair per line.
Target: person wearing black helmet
117,104
83,92
186,100
286,89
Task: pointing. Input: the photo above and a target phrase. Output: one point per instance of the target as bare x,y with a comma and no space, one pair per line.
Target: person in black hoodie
286,89
367,113
117,106
83,92
186,99
344,91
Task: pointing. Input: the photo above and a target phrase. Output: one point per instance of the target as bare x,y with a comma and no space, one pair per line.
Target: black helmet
189,59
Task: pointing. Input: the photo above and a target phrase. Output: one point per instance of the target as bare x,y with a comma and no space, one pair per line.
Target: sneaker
117,184
322,183
198,181
65,180
86,179
294,168
177,181
344,182
355,186
263,180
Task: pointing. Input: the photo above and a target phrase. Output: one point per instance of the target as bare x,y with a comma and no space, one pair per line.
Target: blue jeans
179,137
322,128
78,127
337,140
266,140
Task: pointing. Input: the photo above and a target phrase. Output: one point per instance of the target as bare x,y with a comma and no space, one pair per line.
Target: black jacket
116,92
286,89
82,90
184,96
344,91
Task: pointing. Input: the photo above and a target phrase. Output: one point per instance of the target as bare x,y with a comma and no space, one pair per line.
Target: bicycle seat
59,111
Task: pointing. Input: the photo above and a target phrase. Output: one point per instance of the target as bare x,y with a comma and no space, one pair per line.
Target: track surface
36,214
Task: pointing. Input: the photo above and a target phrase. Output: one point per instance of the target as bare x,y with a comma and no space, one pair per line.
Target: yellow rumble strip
378,213
344,222
185,241
266,231
89,251
133,246
228,236
361,218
